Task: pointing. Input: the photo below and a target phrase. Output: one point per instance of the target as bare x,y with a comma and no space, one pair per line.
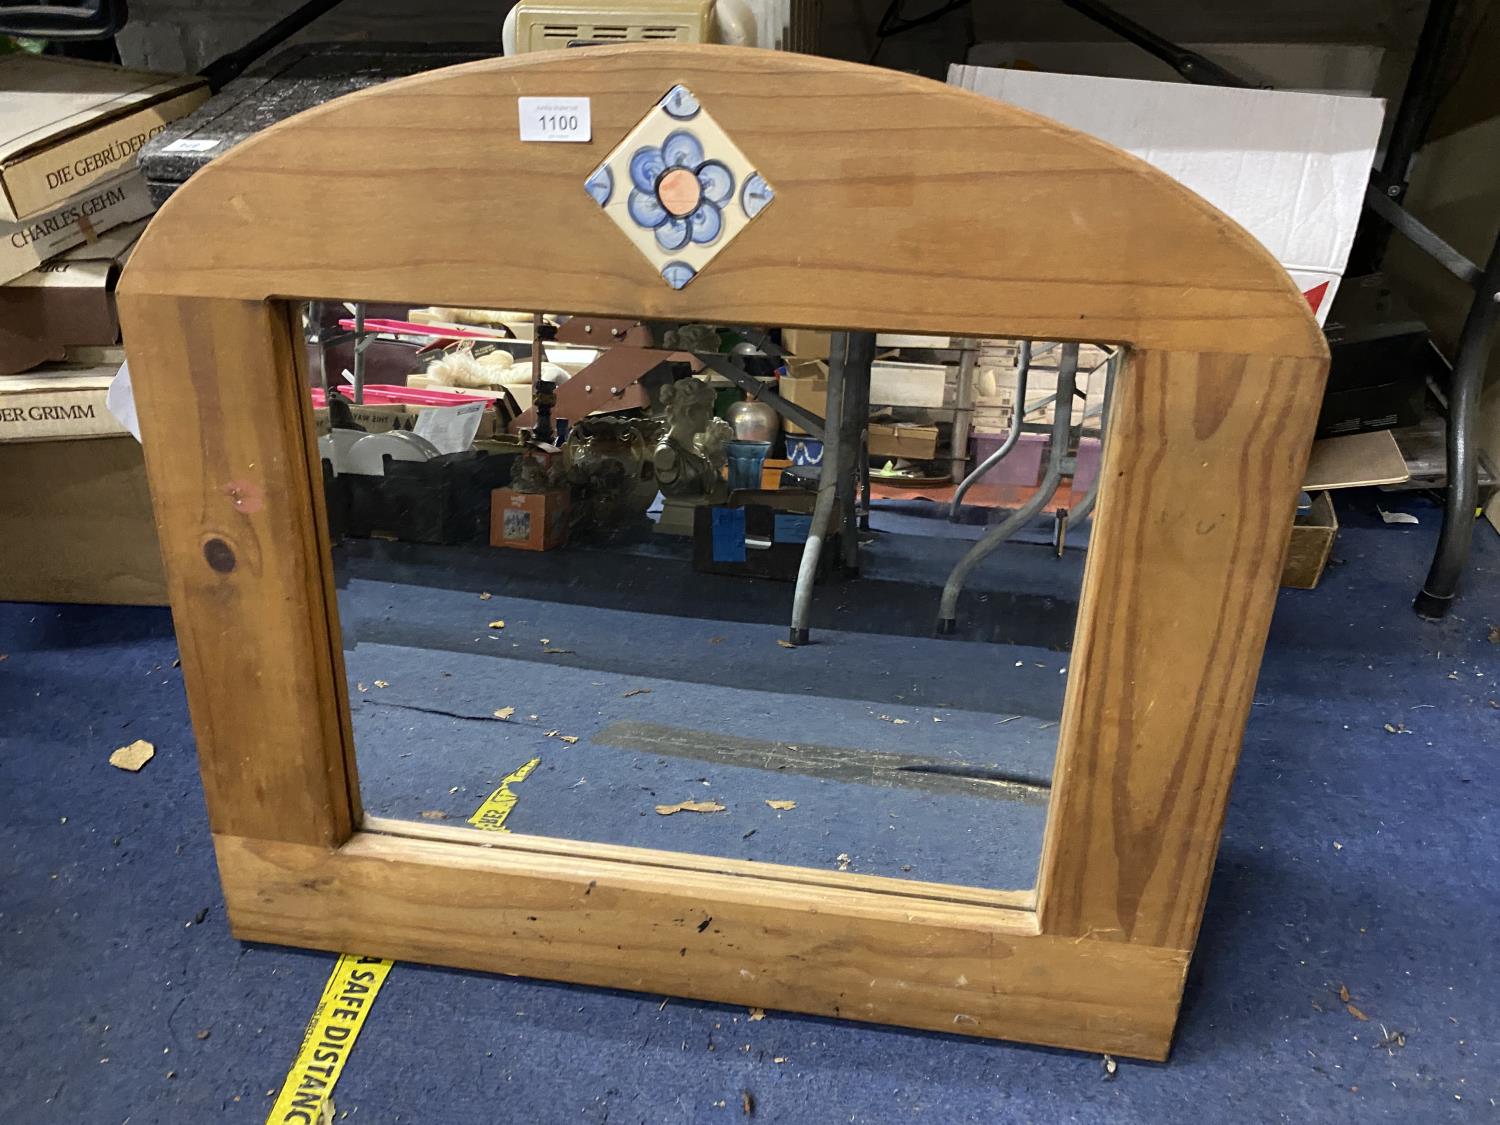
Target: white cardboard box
29,243
1291,168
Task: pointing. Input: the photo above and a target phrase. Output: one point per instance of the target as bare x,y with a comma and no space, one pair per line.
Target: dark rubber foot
947,626
800,637
1434,607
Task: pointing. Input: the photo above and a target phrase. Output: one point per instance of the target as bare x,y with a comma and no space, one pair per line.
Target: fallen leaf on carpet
715,640
434,814
843,861
557,650
486,596
898,722
1110,1067
204,1033
382,683
1357,1014
134,756
782,804
1344,993
747,1103
505,712
362,687
1494,636
1397,728
1396,517
175,664
545,640
690,806
568,738
779,1059
636,691
497,624
1389,1039
757,1014
785,644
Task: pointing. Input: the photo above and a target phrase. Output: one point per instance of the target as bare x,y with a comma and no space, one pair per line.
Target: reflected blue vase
746,458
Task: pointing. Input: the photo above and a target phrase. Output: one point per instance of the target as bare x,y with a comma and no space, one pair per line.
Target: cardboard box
1291,168
806,385
76,524
529,521
68,303
908,384
915,443
27,244
57,402
761,535
67,125
1329,68
376,418
1311,544
805,343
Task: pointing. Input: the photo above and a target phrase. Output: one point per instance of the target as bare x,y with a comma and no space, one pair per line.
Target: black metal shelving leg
1463,471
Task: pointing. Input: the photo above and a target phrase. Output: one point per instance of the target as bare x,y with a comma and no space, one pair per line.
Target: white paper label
450,428
188,144
555,119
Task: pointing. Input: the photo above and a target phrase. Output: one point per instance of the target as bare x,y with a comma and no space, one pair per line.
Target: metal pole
828,477
1419,99
963,409
1086,505
1457,535
854,423
1062,422
359,352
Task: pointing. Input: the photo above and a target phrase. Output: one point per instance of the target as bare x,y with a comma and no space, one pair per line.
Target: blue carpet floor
1352,857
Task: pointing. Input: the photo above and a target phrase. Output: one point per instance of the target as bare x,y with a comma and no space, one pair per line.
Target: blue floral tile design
678,274
678,187
601,185
681,104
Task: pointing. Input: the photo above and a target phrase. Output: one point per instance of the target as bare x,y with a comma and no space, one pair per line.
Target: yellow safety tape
351,989
492,814
330,1035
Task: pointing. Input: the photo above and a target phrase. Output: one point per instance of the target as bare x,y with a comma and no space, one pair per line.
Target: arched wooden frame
901,205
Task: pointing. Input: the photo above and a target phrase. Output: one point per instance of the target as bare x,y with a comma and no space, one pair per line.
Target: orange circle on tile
679,192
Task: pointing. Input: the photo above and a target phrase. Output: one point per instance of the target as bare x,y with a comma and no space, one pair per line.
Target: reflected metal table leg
1062,422
1086,505
856,422
828,478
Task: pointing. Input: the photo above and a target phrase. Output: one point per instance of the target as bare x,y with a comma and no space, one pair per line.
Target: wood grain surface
739,940
901,205
228,438
1198,490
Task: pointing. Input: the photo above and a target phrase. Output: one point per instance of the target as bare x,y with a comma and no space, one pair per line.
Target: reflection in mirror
788,596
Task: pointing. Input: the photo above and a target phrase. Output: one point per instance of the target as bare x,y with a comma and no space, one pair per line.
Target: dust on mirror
787,596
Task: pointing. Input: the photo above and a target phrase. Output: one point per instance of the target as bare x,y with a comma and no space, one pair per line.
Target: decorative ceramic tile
678,187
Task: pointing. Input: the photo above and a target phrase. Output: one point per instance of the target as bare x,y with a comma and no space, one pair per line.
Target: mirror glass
567,555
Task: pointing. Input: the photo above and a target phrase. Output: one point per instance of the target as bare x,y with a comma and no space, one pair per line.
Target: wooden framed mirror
899,204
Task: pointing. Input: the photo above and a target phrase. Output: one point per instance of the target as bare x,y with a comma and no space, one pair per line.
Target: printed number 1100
558,122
